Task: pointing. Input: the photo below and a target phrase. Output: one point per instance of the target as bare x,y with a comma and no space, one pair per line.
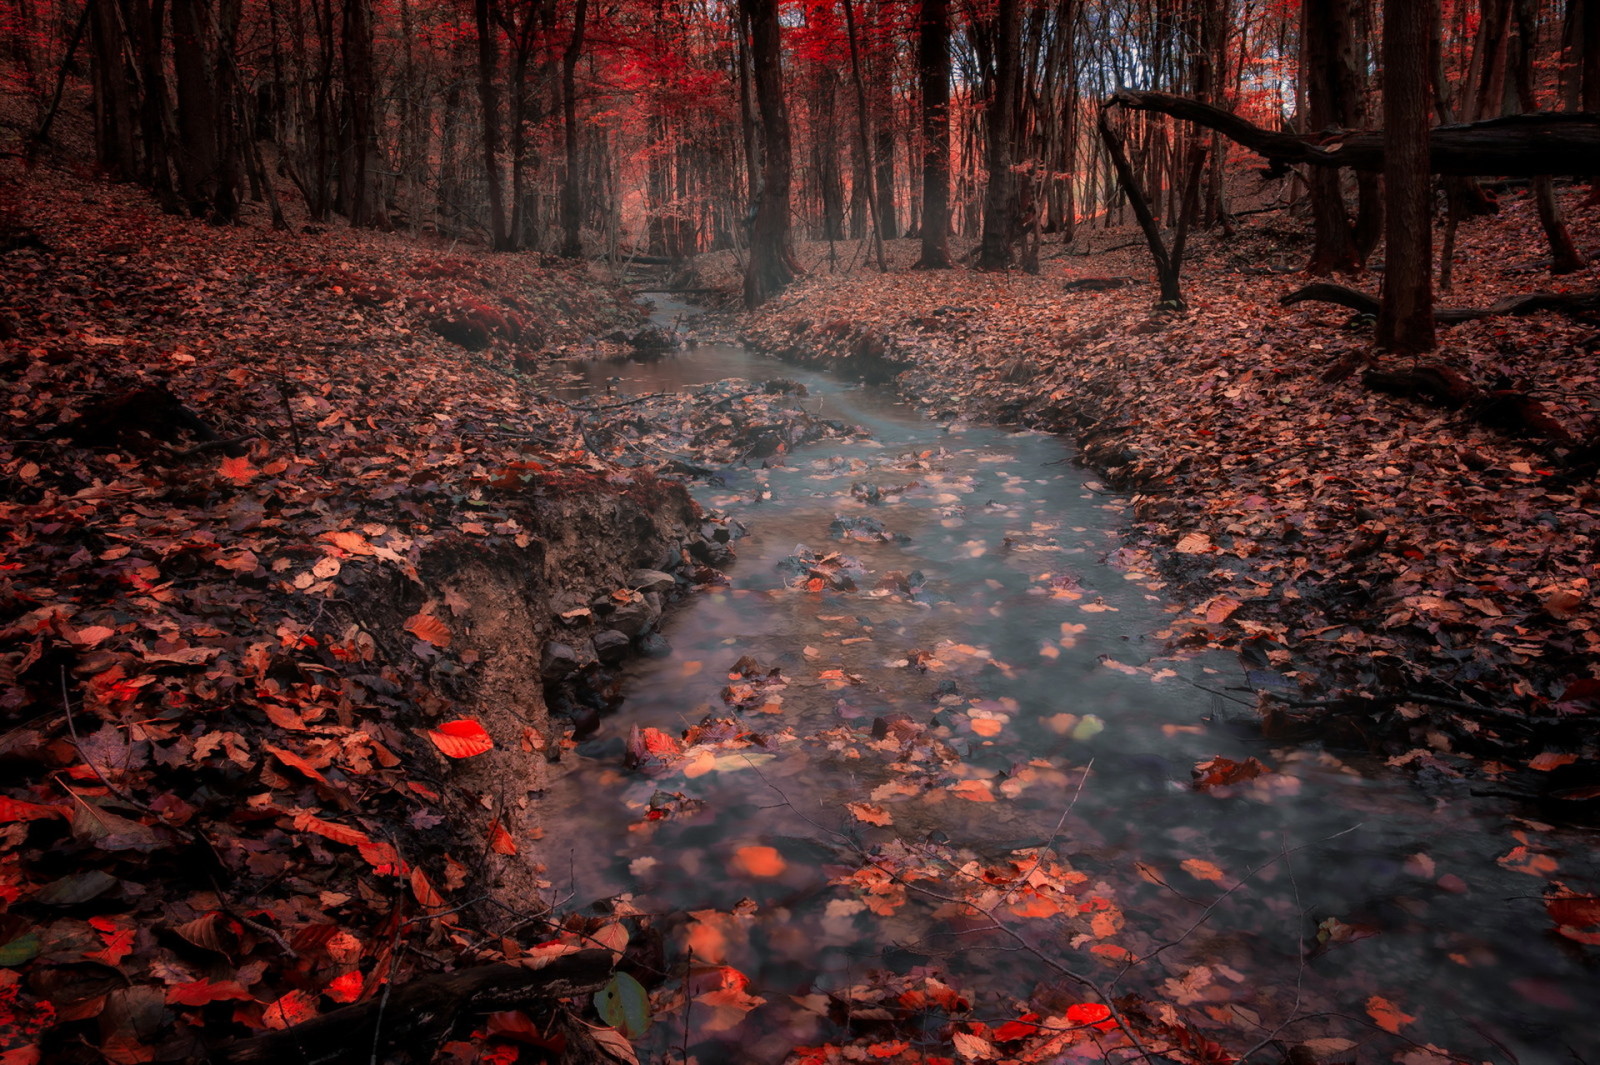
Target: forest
802,531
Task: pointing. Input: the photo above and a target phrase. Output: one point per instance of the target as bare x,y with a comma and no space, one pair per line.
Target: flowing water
1000,618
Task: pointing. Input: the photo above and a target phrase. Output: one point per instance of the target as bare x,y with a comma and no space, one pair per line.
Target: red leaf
462,738
425,893
200,992
500,840
309,822
1579,911
346,988
294,761
17,810
238,470
290,1010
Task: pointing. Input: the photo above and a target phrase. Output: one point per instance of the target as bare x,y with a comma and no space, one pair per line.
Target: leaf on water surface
462,738
972,790
1194,544
1549,760
1201,869
868,813
612,937
1387,1015
1220,771
760,861
624,1004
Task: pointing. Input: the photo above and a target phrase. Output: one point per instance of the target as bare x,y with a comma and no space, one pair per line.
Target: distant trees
663,126
1405,315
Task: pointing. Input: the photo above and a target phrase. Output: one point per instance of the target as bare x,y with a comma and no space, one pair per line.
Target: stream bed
936,682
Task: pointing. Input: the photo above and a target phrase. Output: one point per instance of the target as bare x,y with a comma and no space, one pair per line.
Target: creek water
1018,641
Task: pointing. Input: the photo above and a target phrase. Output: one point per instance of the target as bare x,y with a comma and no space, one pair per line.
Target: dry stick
1300,971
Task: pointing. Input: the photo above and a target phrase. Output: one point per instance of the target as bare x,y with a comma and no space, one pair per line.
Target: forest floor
271,676
1411,572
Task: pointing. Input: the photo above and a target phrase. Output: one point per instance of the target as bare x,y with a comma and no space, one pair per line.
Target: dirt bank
296,559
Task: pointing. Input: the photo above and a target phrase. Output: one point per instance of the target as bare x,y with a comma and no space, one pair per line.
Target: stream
992,694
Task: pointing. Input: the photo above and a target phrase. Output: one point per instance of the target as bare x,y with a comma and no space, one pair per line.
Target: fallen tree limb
1529,303
1529,145
419,1013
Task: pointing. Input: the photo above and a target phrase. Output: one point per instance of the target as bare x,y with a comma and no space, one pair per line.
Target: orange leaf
1203,870
759,861
973,790
430,628
1387,1014
426,894
1095,1013
237,470
1551,760
290,1010
500,840
294,761
461,738
872,815
306,821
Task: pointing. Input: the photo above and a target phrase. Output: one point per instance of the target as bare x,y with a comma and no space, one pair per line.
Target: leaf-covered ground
284,526
1396,570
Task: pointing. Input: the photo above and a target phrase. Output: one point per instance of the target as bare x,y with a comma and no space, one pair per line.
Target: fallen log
418,1014
1529,303
1528,145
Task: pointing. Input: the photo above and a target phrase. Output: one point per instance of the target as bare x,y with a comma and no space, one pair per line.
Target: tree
1000,113
771,264
489,104
572,182
1332,102
1405,315
933,77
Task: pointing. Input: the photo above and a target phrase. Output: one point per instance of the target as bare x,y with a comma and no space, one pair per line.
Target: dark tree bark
1167,264
489,102
1000,197
1333,103
874,206
362,206
933,77
572,182
207,155
771,264
1405,315
1565,258
1513,146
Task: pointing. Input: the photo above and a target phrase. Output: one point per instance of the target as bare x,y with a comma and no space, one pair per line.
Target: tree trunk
572,184
874,205
1166,266
933,76
771,264
1405,315
1565,258
364,208
489,102
1328,62
999,206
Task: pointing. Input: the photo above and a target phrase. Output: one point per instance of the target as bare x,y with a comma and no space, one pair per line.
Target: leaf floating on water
1194,544
1220,771
624,1004
1387,1015
870,814
1201,869
759,861
1088,727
